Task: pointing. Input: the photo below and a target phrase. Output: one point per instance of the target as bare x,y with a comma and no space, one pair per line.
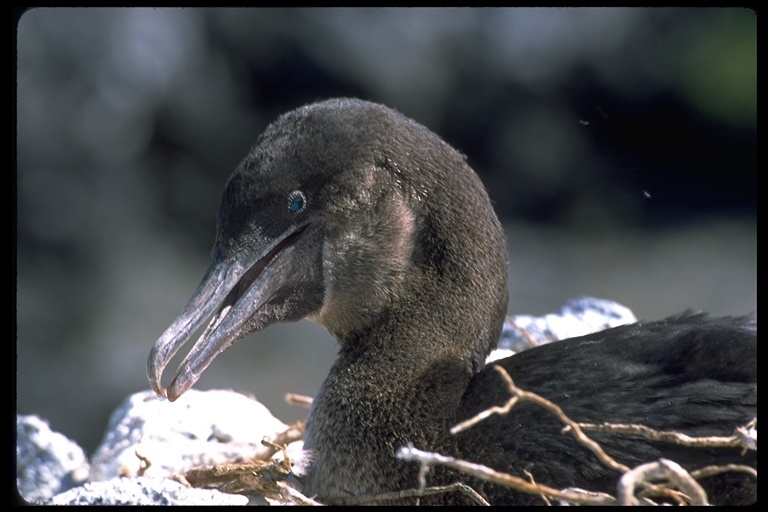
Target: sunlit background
619,147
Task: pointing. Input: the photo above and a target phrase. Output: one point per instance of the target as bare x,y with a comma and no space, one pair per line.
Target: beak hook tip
158,389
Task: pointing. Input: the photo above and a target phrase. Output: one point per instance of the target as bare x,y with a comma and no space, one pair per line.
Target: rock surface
47,463
576,317
144,491
201,428
148,441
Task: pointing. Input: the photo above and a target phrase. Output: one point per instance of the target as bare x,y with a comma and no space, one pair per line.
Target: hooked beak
239,296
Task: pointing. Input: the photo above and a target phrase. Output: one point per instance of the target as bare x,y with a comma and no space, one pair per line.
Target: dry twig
662,470
293,433
414,493
708,471
263,477
739,439
144,463
298,400
497,477
255,477
530,339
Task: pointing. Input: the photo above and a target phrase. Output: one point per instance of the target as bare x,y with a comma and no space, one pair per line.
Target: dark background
619,147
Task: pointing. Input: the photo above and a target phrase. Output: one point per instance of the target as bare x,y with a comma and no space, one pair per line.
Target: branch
493,476
414,493
298,400
665,470
743,437
530,339
294,432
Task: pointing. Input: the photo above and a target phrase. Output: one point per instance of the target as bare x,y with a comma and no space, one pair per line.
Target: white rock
47,462
577,317
201,428
144,491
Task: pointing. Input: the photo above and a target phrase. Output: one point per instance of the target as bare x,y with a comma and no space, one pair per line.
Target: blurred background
619,147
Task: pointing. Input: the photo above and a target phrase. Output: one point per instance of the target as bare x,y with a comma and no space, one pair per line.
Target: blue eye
297,201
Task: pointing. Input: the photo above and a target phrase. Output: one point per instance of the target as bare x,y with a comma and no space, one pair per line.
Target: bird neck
373,402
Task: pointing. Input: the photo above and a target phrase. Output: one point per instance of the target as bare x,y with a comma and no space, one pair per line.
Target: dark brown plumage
350,214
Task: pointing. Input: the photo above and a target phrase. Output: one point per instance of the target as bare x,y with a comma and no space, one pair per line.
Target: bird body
360,219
